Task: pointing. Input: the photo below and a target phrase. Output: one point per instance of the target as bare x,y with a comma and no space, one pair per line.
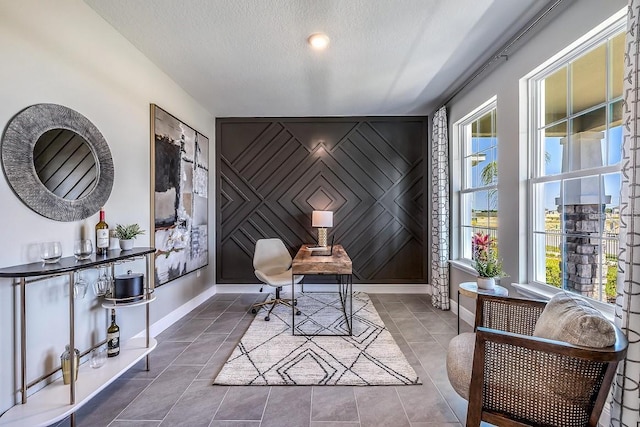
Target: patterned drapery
440,211
625,408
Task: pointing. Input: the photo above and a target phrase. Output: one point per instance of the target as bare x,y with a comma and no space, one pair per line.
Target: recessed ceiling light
318,41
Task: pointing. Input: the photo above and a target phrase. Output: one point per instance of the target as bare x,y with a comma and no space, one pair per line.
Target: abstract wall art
179,178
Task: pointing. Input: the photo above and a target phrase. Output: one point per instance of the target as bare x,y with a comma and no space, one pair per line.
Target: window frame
535,173
462,140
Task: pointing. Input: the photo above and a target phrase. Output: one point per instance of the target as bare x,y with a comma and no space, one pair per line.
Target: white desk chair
272,264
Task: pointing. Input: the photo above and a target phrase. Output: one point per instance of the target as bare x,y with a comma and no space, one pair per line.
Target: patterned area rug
268,354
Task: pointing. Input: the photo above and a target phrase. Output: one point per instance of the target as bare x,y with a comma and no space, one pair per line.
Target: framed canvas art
179,211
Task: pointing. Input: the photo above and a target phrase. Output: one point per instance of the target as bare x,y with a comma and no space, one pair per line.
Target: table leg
459,312
293,306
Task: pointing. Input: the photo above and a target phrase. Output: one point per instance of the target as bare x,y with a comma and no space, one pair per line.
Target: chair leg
273,302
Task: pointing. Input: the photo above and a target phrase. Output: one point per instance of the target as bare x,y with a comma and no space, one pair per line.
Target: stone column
582,209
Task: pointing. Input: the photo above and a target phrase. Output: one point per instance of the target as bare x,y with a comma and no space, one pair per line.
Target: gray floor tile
165,353
214,365
226,297
380,407
443,339
200,351
191,330
423,403
103,408
156,400
218,423
281,400
225,323
118,423
243,403
412,330
197,406
334,404
432,358
334,424
397,310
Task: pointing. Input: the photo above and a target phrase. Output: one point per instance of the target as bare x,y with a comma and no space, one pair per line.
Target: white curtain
625,408
440,211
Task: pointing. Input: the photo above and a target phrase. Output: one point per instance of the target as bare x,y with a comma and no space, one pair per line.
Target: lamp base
322,237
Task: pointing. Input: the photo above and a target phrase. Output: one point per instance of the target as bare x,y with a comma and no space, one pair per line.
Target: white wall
62,52
578,19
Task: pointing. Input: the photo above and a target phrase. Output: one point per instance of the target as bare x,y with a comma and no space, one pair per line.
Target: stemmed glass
80,286
101,286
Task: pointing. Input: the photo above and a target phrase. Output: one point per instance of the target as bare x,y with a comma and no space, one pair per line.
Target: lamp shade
322,219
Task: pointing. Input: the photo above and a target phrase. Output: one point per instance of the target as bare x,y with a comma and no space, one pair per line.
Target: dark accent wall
370,171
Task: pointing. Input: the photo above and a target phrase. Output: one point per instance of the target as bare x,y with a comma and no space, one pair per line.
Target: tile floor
177,390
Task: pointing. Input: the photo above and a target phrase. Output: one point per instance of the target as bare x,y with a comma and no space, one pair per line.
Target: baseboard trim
465,315
382,288
168,320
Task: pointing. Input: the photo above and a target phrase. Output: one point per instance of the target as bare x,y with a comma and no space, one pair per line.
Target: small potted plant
486,261
126,234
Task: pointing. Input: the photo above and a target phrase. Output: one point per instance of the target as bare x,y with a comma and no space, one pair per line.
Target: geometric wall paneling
370,171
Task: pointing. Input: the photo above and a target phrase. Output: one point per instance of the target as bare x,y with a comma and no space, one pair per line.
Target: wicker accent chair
521,380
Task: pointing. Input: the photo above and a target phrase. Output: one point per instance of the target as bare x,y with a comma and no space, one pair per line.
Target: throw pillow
571,319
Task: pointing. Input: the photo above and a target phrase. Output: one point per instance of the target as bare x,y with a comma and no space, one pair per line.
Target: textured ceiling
249,58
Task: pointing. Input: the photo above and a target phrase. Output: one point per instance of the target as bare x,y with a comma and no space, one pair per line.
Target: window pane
493,209
465,209
614,155
588,78
552,150
548,259
555,96
617,65
587,141
480,209
612,183
548,195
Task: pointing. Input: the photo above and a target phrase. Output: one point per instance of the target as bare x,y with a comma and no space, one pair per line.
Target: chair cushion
571,319
460,362
277,279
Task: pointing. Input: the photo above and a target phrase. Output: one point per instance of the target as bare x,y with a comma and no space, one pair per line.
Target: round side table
470,290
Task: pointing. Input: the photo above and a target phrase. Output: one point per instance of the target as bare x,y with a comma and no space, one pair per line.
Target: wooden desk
339,264
471,290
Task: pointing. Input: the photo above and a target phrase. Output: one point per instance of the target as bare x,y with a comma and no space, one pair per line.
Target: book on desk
322,250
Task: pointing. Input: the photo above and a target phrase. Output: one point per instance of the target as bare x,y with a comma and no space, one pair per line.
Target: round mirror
65,164
57,162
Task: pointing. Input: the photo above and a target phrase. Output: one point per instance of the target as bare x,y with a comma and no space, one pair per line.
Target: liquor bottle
113,337
102,235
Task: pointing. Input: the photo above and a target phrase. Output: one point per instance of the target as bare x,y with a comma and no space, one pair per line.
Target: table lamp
322,220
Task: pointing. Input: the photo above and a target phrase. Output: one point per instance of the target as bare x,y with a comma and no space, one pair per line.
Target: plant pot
126,244
486,283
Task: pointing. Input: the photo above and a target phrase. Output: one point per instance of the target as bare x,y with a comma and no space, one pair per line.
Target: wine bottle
113,336
102,235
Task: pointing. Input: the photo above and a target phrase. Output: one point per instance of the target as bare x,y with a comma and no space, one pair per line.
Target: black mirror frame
18,142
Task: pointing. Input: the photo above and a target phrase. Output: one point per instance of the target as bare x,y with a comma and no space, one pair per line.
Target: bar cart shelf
56,401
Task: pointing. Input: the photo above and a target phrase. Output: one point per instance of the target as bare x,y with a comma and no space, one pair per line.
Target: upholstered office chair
272,264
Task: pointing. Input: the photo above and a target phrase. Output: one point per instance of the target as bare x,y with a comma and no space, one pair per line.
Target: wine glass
50,252
80,286
82,249
101,285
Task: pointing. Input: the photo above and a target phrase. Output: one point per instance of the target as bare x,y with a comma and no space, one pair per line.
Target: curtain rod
502,52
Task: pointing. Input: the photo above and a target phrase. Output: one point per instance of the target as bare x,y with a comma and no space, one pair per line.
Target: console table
339,264
56,401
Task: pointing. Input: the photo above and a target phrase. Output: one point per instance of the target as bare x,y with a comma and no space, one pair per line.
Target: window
478,142
575,152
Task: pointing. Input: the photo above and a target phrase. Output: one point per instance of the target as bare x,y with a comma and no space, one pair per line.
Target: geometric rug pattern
268,354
